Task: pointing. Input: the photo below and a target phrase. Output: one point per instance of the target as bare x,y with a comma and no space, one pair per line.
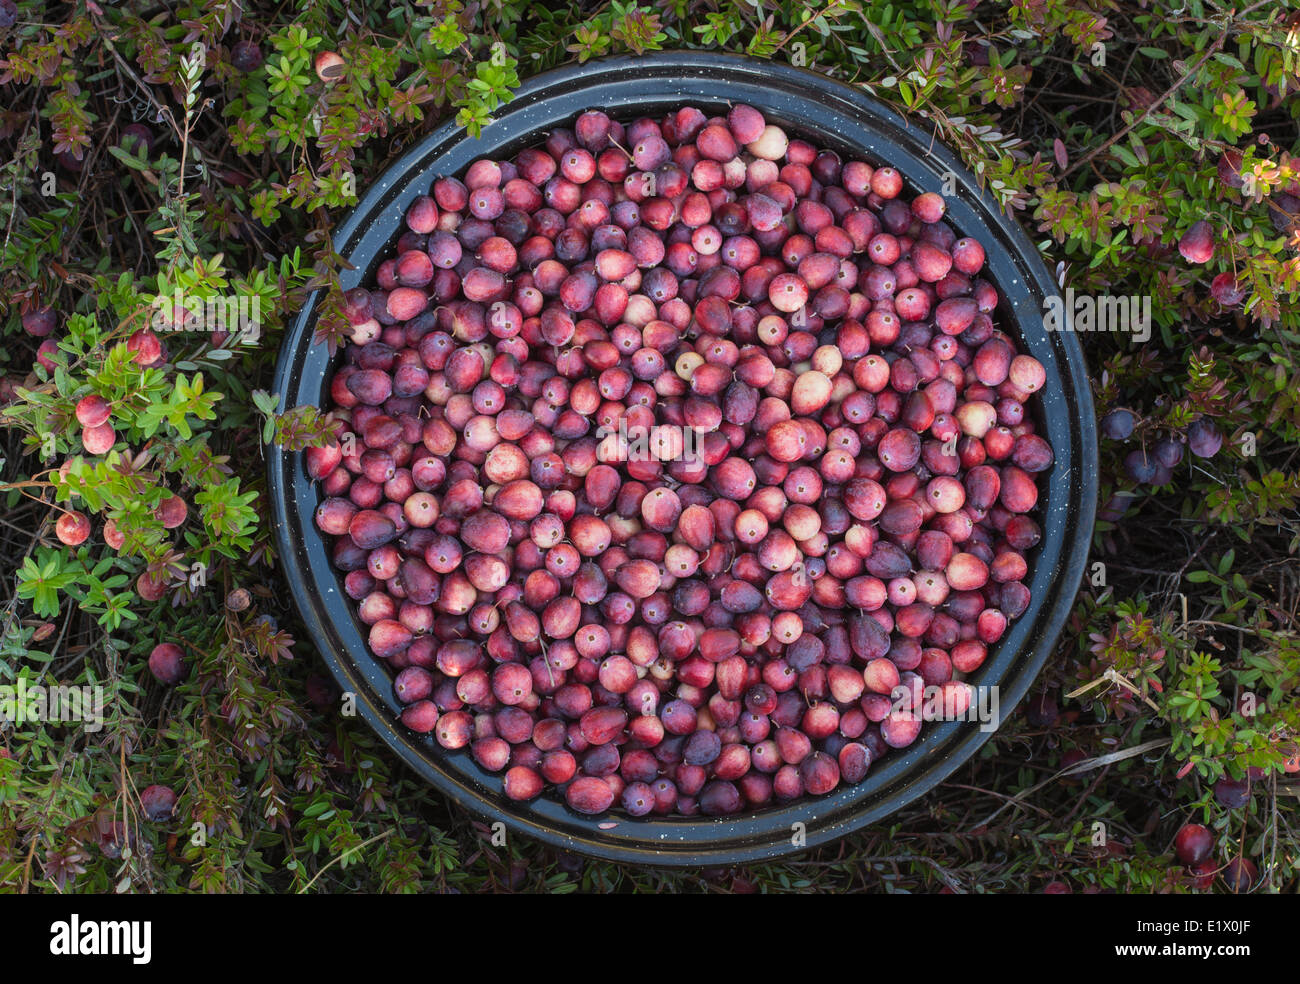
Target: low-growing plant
203,153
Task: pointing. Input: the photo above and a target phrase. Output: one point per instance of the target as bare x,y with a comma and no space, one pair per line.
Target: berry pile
680,465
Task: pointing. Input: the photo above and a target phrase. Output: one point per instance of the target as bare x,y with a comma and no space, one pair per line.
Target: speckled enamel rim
833,115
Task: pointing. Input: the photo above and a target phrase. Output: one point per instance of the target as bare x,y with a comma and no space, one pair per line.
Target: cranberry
72,528
1204,439
1118,424
1232,793
158,803
167,663
246,56
1193,844
1240,874
589,795
1197,244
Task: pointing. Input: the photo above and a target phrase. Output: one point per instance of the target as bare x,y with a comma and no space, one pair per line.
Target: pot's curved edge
1072,566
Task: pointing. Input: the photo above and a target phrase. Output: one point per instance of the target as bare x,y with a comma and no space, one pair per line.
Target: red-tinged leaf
1062,158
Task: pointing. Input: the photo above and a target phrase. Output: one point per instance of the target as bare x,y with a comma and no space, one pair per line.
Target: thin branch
1139,120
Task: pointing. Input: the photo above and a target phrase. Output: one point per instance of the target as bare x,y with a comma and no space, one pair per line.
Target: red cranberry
1193,844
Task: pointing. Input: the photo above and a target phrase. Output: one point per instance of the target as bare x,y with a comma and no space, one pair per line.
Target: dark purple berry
1168,453
1204,439
158,802
1140,466
1118,424
1232,793
246,56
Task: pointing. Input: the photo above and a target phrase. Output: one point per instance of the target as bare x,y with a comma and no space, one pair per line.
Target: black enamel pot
828,114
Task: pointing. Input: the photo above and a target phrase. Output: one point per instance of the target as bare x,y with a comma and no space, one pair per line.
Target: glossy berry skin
1168,453
92,410
1232,793
1197,244
1117,425
1193,843
1204,439
835,492
1225,289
